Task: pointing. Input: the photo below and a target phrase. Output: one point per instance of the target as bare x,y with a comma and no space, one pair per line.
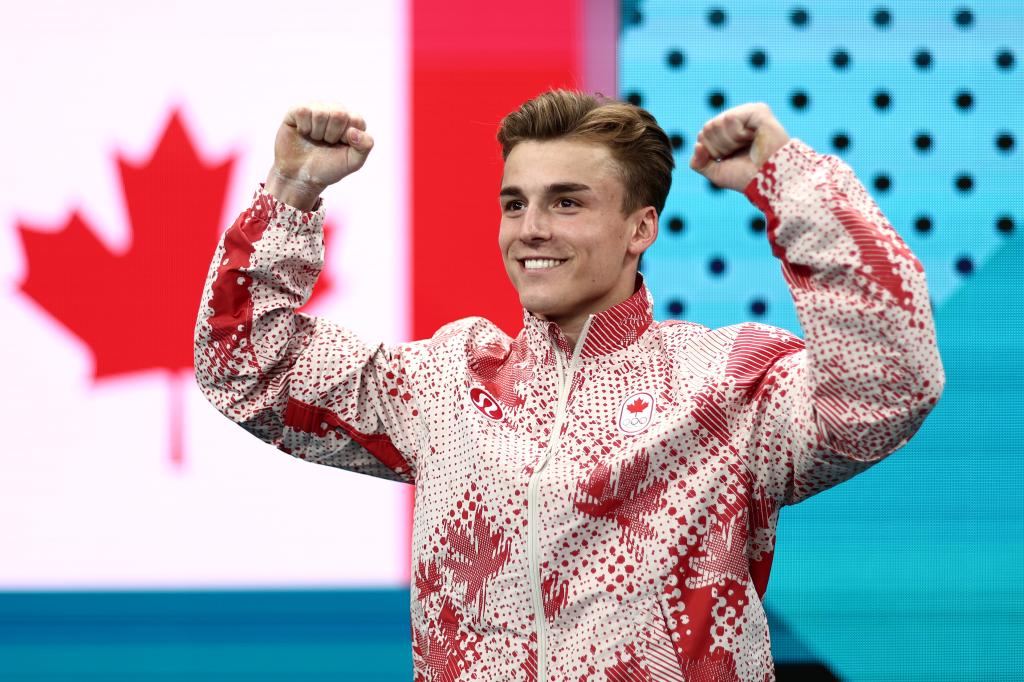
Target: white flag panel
89,497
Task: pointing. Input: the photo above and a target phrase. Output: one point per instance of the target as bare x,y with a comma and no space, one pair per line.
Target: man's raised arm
301,383
868,371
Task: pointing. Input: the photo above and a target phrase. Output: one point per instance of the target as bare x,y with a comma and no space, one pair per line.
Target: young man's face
568,248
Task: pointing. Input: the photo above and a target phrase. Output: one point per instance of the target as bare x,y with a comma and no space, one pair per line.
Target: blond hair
637,143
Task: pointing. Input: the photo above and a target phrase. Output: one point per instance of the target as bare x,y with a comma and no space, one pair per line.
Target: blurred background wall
145,537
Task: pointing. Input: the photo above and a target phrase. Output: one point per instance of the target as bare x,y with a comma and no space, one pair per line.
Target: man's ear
645,230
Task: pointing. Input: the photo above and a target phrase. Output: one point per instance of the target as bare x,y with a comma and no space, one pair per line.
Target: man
597,497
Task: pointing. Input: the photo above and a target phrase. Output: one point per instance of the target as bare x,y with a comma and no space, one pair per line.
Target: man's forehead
534,165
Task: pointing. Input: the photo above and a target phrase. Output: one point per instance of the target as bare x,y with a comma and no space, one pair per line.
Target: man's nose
535,225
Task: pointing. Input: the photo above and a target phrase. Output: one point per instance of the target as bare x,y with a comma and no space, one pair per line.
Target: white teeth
540,263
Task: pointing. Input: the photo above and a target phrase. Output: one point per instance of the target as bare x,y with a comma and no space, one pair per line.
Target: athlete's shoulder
468,329
672,334
749,332
678,328
457,337
697,345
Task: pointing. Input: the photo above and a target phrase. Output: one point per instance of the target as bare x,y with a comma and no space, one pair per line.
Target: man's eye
567,203
514,205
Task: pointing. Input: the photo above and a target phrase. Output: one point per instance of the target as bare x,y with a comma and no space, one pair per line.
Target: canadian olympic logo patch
486,403
636,413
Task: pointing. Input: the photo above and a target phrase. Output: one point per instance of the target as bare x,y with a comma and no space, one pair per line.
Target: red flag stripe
472,63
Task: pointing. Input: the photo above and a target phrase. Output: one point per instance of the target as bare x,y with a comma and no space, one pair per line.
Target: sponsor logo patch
636,413
486,403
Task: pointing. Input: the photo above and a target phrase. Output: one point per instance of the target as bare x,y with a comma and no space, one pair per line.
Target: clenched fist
732,147
316,146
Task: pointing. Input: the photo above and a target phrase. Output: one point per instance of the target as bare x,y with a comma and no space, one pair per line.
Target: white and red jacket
603,512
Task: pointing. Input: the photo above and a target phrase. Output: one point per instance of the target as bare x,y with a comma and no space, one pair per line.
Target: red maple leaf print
723,554
555,594
637,406
136,310
476,555
627,502
444,650
428,579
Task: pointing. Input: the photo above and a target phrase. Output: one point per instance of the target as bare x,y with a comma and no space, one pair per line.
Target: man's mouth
541,263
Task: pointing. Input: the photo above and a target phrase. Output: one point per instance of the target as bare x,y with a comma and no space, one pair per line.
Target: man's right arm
301,383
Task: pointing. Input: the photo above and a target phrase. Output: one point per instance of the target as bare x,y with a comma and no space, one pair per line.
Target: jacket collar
608,331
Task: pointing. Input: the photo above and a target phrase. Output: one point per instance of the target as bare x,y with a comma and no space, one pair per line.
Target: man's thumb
360,140
701,160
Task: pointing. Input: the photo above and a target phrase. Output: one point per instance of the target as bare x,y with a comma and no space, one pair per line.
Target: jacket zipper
533,530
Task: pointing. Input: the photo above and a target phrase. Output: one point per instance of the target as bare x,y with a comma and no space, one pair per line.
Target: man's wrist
295,193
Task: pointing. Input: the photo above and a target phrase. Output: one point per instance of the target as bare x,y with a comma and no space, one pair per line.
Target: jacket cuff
788,160
277,213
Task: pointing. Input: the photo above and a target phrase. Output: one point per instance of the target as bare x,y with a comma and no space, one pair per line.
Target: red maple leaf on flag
637,405
136,310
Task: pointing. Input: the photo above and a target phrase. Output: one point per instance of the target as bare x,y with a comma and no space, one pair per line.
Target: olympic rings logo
636,413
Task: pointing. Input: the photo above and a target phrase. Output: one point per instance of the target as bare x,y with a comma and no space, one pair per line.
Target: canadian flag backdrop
132,136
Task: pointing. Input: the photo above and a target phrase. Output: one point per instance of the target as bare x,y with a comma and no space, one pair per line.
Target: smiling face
568,248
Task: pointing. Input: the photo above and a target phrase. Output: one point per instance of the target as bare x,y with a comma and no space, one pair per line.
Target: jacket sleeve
301,383
868,371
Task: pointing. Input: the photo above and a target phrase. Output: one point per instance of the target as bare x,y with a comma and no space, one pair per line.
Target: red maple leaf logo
136,310
637,405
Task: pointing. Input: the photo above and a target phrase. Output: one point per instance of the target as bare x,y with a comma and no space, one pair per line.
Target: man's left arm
868,371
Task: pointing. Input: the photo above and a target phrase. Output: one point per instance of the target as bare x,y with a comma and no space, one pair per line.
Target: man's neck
572,330
572,327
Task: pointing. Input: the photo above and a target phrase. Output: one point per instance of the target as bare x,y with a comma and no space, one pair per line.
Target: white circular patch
636,413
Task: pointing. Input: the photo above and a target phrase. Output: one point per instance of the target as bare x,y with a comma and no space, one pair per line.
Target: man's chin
541,306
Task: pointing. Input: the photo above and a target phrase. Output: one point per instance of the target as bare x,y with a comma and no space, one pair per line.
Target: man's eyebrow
565,187
554,188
